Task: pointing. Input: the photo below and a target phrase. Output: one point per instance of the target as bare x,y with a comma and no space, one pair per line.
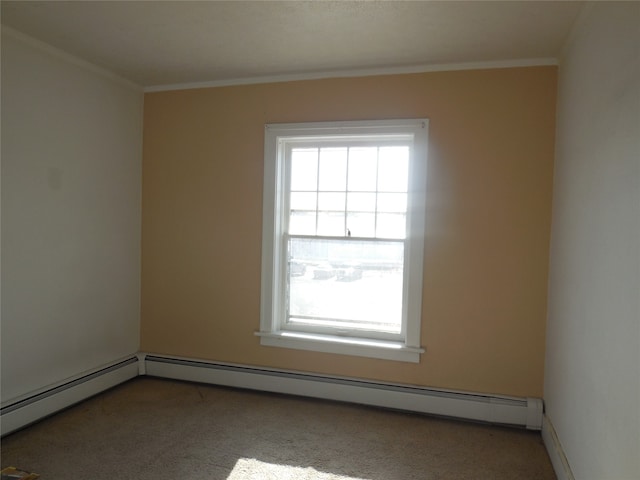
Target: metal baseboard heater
503,410
28,409
523,412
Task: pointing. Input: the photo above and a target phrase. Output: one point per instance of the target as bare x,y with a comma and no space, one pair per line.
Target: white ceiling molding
370,72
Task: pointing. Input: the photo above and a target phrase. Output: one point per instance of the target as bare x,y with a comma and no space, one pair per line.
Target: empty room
323,240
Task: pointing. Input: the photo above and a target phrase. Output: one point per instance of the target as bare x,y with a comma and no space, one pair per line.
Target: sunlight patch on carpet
252,469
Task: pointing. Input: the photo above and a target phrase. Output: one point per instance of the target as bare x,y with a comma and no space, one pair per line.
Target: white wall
592,375
71,183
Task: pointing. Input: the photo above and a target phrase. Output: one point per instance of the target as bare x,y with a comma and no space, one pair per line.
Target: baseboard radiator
524,412
31,408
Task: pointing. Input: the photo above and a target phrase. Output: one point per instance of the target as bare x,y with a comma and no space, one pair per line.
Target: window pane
302,223
304,169
303,201
361,202
391,225
392,202
361,224
331,224
331,201
393,169
346,284
363,166
333,169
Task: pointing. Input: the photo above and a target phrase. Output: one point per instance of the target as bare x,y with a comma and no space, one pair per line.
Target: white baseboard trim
556,453
495,409
525,412
31,408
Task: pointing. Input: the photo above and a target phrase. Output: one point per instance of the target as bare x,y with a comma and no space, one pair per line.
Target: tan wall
488,220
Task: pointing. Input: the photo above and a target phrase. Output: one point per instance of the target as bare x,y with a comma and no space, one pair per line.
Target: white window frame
272,333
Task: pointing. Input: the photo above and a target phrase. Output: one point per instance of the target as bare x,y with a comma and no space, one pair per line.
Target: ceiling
156,43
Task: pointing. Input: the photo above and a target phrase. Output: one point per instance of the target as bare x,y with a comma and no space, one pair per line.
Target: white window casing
276,329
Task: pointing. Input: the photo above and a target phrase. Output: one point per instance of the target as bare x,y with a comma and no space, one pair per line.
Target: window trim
270,334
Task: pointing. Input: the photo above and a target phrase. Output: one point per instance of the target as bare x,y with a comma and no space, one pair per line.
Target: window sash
340,209
365,277
341,218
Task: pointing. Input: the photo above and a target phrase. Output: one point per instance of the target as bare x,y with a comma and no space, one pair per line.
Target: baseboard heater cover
525,412
32,408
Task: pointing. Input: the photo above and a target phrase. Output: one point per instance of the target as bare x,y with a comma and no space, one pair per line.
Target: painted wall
592,381
488,221
71,180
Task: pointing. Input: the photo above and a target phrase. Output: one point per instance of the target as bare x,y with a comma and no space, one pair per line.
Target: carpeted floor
158,429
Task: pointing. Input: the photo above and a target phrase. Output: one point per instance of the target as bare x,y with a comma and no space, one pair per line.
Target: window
343,237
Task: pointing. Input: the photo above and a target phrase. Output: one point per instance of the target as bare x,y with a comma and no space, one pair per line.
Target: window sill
359,347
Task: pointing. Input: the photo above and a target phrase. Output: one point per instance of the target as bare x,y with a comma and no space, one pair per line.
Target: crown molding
367,72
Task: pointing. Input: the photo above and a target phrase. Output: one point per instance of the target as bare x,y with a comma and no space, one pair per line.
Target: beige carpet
158,429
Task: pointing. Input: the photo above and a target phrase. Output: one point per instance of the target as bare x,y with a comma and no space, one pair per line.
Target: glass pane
363,167
333,169
361,202
331,201
303,201
391,225
346,284
361,224
304,169
393,169
392,202
331,224
302,223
